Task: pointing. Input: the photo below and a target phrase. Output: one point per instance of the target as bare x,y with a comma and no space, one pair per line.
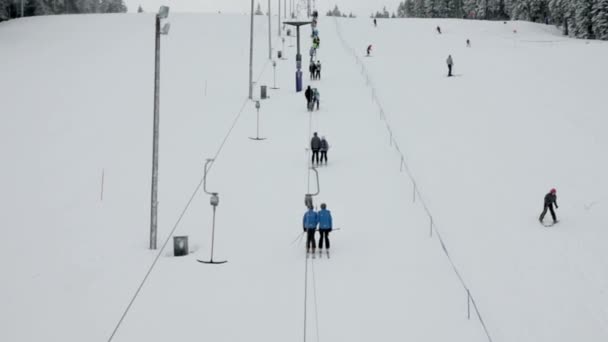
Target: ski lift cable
176,225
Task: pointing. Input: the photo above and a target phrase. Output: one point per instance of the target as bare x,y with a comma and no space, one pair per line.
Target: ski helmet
323,206
553,191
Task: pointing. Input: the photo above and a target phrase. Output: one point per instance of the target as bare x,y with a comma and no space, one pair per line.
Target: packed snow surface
525,112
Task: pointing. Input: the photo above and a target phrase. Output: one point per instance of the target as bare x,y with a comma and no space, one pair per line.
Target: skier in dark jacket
325,225
312,69
315,146
309,224
324,148
550,200
450,63
308,94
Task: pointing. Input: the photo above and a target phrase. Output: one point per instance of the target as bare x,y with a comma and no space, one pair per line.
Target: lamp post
163,13
297,24
251,54
269,32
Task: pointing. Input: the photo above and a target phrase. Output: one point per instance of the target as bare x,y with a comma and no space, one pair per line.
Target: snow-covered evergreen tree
4,10
583,26
430,8
419,9
600,19
470,8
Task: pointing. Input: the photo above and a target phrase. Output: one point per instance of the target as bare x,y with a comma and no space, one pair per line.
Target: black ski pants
449,70
323,156
550,207
324,237
315,156
310,239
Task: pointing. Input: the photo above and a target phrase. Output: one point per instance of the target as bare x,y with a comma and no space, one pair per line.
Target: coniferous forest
578,18
12,8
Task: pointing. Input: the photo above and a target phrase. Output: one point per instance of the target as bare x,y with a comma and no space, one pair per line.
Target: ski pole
297,238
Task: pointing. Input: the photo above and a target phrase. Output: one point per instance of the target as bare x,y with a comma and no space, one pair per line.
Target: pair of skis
313,254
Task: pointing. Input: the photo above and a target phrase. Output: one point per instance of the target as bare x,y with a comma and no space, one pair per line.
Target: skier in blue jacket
325,225
309,224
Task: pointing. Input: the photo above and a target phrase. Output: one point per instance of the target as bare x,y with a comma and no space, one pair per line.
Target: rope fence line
416,189
183,212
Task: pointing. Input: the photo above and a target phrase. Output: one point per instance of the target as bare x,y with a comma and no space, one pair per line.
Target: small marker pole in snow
414,187
102,181
468,304
401,166
431,226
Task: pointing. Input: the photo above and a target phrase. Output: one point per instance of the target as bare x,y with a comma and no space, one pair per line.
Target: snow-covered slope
524,115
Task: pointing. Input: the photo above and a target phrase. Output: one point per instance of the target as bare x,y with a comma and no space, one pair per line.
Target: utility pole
269,33
251,55
279,16
162,14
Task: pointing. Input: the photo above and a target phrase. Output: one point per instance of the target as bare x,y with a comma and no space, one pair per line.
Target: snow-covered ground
524,114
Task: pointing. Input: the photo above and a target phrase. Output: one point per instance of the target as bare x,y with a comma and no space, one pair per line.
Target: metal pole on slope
269,32
251,55
279,17
162,14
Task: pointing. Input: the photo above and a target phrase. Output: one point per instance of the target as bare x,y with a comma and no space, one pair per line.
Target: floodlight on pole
163,13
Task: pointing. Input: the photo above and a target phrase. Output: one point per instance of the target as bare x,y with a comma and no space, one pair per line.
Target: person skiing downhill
450,63
325,226
315,146
324,148
369,49
550,200
308,94
375,23
309,225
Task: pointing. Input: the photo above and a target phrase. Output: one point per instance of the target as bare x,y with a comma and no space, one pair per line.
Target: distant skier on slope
315,147
318,70
438,29
309,224
308,94
450,63
550,200
325,226
316,98
369,50
375,23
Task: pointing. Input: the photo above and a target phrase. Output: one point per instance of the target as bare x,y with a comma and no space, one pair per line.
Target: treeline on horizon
586,19
10,9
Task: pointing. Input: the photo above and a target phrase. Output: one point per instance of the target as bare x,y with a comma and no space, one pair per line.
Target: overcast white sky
359,7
